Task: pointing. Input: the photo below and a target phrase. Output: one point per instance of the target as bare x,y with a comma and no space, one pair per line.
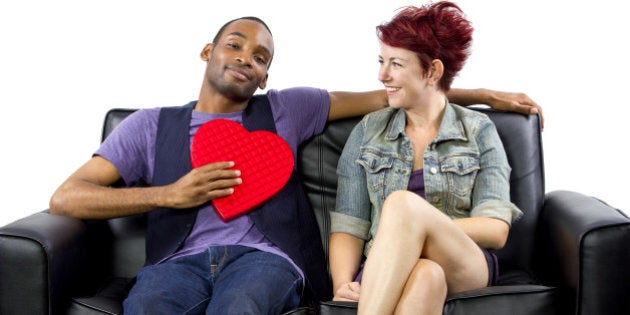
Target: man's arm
350,104
87,194
506,101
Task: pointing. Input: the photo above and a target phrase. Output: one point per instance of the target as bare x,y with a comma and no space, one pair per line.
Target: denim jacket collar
451,127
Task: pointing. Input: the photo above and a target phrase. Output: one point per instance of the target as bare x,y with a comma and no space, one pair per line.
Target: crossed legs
418,257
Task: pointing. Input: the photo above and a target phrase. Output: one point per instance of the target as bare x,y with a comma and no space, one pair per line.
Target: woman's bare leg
425,290
411,228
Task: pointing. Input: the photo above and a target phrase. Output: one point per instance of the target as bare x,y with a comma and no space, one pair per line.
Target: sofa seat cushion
107,300
513,300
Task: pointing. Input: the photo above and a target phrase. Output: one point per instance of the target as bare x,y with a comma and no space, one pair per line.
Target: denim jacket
466,172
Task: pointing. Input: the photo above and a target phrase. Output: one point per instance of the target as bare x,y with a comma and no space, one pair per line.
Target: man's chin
240,96
237,92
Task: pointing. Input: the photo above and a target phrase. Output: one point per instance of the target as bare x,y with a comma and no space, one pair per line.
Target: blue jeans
220,280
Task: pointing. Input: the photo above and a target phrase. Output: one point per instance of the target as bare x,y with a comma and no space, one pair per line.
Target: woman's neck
427,117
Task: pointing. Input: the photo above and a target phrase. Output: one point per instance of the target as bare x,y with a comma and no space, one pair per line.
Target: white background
64,63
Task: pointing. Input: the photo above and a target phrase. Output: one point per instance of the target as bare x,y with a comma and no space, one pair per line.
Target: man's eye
262,59
232,45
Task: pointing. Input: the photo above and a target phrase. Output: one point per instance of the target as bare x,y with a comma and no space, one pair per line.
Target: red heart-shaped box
264,159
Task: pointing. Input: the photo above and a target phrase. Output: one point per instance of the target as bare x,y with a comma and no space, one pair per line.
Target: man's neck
218,104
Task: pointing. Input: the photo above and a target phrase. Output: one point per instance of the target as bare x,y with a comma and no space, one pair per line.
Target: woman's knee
430,276
425,290
407,206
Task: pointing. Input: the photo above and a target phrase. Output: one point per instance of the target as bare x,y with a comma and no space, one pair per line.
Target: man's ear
436,71
263,82
206,51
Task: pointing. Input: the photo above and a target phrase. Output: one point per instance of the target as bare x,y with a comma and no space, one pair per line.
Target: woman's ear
436,71
206,51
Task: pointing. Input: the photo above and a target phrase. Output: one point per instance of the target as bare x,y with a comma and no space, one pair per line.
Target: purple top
299,113
416,182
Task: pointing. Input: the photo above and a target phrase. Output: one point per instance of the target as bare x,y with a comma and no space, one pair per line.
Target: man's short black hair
251,18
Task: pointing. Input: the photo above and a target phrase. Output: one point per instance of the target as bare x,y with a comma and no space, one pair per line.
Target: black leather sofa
567,255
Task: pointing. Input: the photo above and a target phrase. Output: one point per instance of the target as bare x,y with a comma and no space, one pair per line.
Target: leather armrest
585,247
41,259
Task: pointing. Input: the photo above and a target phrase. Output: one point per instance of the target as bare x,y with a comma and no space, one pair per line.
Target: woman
430,175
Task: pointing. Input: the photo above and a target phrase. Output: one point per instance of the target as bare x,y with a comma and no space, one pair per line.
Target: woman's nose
383,74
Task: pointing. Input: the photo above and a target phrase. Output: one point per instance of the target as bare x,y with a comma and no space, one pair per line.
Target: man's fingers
216,171
219,193
530,110
224,183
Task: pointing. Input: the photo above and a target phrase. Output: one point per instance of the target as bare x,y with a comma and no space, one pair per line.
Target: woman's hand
348,292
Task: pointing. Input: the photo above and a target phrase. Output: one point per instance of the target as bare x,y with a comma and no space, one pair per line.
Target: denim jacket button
433,170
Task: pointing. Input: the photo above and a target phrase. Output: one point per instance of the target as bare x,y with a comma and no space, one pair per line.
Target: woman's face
403,77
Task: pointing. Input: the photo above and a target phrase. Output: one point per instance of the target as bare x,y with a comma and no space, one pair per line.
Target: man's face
237,63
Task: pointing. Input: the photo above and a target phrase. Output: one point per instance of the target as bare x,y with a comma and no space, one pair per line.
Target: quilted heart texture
264,159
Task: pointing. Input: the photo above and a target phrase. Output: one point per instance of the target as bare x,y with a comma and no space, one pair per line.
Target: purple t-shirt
416,182
299,113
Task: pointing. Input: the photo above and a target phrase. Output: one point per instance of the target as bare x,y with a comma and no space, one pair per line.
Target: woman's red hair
433,31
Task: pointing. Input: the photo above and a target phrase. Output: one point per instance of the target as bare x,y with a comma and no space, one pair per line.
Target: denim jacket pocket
460,172
376,165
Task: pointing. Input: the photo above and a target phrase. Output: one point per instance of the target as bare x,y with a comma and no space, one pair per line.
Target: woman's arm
350,221
488,233
345,252
492,211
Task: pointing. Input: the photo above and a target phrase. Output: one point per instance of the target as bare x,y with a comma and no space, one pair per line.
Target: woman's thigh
443,242
461,258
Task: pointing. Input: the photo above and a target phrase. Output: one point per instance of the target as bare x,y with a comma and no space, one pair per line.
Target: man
265,262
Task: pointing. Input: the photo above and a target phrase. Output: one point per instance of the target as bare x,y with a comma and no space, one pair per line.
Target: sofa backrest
521,137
